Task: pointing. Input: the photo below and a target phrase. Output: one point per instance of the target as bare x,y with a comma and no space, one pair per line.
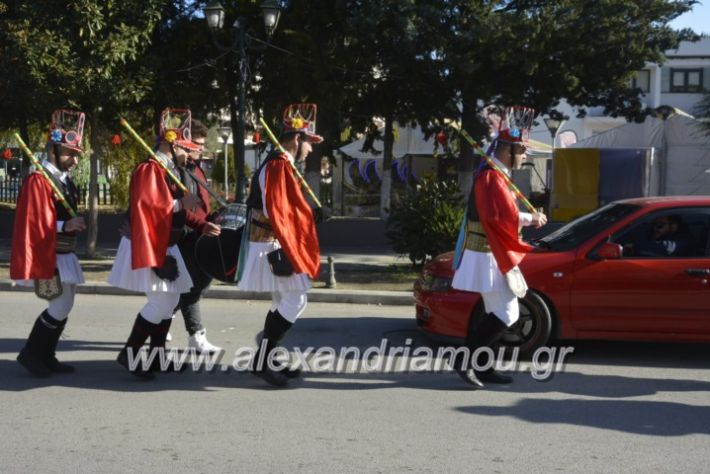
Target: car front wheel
534,327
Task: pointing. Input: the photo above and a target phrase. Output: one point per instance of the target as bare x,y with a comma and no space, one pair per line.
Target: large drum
218,256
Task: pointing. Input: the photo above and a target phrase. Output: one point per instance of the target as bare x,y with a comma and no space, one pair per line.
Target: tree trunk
467,160
386,189
25,135
93,200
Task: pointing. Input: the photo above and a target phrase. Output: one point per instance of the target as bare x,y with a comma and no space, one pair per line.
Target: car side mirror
610,251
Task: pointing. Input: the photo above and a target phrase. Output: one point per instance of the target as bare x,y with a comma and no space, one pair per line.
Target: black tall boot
157,347
50,358
142,329
275,328
33,354
484,334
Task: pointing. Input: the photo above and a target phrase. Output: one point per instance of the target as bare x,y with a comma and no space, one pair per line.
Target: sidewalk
346,261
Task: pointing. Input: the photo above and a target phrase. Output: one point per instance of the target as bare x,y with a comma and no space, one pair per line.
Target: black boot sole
33,364
494,377
276,379
59,367
469,376
138,372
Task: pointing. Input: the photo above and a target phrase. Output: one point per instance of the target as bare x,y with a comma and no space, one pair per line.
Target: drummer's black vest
254,200
71,194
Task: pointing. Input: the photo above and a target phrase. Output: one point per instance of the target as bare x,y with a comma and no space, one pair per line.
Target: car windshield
585,227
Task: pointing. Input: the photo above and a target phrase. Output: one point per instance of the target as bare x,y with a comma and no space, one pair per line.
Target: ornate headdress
67,129
176,128
516,124
301,118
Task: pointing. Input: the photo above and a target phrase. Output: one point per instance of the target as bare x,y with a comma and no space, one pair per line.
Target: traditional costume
150,261
280,251
42,254
489,247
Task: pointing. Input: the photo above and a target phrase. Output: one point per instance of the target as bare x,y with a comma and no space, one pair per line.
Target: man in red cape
281,228
44,241
492,246
148,260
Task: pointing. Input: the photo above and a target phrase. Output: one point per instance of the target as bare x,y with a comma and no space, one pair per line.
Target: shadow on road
652,418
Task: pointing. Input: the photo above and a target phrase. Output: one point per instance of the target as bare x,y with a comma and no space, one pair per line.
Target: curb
317,295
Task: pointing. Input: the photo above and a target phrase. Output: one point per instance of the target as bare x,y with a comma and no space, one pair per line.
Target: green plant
425,222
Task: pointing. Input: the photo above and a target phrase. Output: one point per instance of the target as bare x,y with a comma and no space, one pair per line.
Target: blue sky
698,19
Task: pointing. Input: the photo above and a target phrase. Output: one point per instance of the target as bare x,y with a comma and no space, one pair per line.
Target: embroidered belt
66,243
260,229
476,238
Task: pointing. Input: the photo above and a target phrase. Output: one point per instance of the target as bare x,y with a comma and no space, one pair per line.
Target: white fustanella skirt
145,280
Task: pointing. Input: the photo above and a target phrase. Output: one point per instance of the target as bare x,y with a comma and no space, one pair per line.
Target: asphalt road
614,407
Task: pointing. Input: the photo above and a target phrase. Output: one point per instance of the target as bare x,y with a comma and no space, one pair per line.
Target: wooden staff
57,192
133,133
479,151
299,177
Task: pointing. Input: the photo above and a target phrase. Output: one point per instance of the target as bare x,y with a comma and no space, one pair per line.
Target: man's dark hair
199,129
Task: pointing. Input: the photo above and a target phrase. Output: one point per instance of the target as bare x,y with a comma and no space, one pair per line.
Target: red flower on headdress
116,140
442,138
7,154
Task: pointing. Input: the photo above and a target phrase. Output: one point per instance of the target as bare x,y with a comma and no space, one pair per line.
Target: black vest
254,200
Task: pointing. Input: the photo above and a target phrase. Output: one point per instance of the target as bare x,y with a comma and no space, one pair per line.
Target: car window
670,233
583,228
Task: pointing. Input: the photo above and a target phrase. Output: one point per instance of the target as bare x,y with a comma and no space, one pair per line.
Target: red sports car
614,273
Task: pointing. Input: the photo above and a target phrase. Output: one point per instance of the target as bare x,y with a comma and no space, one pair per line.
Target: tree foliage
425,222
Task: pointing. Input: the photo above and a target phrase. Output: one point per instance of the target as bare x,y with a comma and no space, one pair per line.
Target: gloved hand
318,215
169,271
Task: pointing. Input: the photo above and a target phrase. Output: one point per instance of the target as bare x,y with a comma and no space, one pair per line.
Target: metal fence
10,188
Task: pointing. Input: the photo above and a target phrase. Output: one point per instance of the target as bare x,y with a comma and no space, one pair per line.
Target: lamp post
553,125
241,44
224,132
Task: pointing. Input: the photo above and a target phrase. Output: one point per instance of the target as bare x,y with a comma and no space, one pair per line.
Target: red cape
291,217
34,235
151,215
498,212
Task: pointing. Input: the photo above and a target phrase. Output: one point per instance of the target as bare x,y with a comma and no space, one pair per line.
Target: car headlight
429,282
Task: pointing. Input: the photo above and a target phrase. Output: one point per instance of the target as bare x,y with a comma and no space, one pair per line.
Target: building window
686,80
642,80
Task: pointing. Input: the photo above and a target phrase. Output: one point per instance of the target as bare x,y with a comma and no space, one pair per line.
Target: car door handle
698,272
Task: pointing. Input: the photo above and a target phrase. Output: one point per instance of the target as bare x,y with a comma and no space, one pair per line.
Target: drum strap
209,190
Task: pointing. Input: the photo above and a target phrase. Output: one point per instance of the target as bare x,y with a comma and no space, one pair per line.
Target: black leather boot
485,333
50,357
32,356
157,346
142,329
275,328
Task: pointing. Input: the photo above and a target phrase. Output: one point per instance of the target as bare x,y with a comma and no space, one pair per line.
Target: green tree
536,53
425,223
83,54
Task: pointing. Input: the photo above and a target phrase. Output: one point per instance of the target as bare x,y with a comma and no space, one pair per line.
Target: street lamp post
241,43
553,125
224,132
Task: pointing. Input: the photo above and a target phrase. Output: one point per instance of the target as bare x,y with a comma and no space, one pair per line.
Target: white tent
408,141
681,150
